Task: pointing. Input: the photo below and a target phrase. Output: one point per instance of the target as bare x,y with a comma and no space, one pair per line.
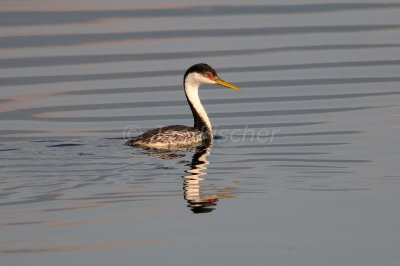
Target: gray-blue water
305,168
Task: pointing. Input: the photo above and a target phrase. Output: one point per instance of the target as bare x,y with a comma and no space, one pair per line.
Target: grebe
179,137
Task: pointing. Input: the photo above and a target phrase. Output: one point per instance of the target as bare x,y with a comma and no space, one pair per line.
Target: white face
198,78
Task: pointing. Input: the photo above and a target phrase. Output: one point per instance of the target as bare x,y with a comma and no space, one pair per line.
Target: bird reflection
197,201
202,198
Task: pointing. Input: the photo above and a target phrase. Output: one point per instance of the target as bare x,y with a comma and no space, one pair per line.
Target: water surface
304,169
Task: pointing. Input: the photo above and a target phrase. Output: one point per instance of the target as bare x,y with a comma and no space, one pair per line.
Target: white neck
201,120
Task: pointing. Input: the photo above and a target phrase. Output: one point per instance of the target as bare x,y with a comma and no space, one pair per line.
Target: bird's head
204,74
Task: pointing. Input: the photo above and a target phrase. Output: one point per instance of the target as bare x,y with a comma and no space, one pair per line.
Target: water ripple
54,40
40,61
29,18
214,115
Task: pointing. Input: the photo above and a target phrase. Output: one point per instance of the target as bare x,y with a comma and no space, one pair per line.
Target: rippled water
304,169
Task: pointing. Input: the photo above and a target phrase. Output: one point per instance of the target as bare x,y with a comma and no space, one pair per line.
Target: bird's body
176,137
180,137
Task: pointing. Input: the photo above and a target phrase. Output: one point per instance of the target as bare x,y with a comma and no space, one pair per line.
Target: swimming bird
178,137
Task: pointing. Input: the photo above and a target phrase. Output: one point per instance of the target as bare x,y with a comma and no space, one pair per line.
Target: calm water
305,168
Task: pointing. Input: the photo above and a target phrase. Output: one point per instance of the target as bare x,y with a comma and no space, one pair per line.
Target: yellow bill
226,84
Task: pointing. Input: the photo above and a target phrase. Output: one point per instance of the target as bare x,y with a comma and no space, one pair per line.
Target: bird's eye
211,76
